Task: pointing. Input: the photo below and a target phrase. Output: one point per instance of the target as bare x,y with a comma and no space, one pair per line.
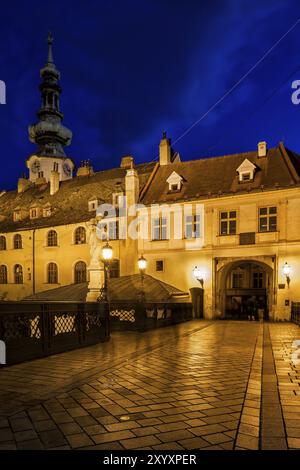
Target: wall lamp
287,272
198,274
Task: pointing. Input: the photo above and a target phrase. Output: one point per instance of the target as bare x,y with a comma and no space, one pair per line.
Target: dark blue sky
131,69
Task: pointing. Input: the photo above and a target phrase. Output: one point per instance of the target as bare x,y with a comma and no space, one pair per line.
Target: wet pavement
198,385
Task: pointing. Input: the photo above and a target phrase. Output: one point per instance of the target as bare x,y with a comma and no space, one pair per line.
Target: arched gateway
243,287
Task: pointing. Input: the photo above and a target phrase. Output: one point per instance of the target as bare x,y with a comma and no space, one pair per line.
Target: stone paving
199,385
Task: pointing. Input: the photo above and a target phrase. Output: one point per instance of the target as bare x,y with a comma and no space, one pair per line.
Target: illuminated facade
245,240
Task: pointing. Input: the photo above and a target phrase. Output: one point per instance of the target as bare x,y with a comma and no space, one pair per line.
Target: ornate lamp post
287,271
107,254
198,274
142,264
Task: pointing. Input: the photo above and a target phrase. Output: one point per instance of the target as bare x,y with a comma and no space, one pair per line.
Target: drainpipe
33,262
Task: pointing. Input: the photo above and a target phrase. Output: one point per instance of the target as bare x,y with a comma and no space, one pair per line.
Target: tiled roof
217,176
70,203
124,288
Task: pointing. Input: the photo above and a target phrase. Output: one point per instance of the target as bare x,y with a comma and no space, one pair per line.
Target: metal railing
142,316
295,316
32,330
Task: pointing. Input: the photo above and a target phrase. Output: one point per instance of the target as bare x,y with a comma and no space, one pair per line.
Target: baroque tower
48,133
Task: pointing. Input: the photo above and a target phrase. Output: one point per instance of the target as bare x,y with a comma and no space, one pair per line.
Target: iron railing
295,316
143,316
32,330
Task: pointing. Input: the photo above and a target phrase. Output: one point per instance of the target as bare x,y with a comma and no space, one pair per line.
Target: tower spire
50,52
48,133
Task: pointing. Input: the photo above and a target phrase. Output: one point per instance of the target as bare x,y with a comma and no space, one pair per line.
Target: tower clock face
35,167
67,169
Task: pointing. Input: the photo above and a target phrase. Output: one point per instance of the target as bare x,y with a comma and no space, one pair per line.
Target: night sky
132,69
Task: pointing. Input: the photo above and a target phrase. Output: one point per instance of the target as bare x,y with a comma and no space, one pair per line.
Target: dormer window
47,211
34,212
246,171
175,182
93,204
17,215
117,199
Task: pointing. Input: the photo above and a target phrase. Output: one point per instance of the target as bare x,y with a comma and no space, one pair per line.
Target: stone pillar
96,282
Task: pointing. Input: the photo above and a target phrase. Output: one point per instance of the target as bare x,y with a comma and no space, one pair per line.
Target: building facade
235,217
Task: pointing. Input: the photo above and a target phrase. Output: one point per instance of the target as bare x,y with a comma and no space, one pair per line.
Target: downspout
33,262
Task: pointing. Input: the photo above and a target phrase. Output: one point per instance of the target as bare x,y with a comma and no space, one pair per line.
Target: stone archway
240,281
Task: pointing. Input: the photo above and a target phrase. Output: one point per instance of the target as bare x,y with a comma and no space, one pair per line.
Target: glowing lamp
107,252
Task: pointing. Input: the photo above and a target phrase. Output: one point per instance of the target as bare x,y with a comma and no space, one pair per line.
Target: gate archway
245,288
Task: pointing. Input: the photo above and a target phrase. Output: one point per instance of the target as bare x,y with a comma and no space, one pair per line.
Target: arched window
3,274
52,273
18,274
2,242
17,242
80,272
80,236
52,238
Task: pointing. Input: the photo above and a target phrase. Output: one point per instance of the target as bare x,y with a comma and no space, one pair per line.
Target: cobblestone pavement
198,385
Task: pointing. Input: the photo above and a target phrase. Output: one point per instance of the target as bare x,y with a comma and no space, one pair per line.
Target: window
47,212
52,238
18,274
117,199
3,274
192,226
159,265
237,280
257,280
228,223
93,204
52,273
80,272
55,166
34,213
246,177
17,242
160,228
41,174
80,236
174,187
17,216
2,243
267,219
114,268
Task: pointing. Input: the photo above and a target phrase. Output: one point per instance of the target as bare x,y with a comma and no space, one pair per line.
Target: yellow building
235,217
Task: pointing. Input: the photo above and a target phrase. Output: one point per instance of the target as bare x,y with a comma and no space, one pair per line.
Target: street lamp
142,264
287,272
198,274
107,254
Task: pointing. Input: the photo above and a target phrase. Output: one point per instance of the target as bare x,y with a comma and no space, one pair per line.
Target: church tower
48,133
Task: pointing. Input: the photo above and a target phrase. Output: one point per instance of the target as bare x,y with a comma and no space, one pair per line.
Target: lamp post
107,254
198,274
142,264
287,271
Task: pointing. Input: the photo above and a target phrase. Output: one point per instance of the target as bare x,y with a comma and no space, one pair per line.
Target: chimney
131,187
262,149
54,182
85,169
165,150
127,162
23,184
